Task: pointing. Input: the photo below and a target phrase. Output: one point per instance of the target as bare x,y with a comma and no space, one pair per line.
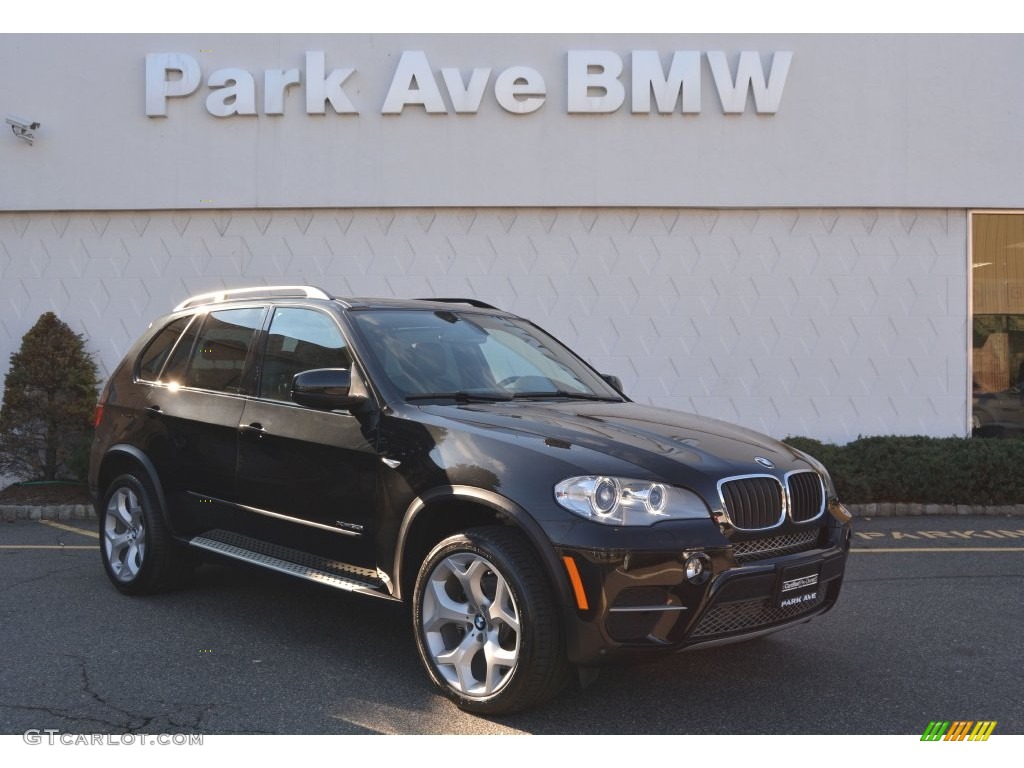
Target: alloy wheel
471,624
124,534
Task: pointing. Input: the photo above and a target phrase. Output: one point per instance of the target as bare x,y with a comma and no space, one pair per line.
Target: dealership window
997,256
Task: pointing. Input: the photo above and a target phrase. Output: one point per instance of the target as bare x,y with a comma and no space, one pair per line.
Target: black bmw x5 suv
451,455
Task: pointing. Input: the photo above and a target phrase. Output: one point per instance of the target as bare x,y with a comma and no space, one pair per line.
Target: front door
307,478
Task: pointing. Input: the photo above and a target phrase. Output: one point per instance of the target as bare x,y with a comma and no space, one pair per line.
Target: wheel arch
446,510
123,458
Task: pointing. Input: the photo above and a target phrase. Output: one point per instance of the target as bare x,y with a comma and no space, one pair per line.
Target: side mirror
615,381
326,389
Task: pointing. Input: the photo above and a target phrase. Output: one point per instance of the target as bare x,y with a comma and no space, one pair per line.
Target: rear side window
300,339
174,371
219,356
153,357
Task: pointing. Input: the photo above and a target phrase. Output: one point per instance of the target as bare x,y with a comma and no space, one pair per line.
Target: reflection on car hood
652,437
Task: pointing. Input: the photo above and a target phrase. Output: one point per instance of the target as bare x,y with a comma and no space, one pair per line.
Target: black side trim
523,520
147,465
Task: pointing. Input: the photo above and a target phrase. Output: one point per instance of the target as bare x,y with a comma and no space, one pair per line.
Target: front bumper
640,603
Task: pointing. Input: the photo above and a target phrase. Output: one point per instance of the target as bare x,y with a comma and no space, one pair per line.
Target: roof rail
255,292
470,302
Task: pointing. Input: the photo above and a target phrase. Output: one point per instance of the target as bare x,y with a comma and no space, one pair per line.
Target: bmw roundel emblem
764,462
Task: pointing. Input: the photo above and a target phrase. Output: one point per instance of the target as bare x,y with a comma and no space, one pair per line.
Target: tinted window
159,349
300,340
424,352
174,371
218,359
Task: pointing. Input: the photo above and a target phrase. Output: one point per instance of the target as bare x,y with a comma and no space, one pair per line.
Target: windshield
446,354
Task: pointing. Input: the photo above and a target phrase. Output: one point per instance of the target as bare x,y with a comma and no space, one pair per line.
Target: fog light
698,568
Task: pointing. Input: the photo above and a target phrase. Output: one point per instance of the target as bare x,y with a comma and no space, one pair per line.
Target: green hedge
923,470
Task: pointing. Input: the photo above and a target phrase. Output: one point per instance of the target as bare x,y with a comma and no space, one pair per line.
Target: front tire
486,624
138,553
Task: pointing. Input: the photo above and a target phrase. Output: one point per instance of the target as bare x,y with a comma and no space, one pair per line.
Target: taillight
98,416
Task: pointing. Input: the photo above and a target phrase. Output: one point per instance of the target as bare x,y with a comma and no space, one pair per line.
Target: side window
174,371
159,349
219,355
300,339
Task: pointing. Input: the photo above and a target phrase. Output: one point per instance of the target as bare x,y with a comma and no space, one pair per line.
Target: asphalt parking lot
928,627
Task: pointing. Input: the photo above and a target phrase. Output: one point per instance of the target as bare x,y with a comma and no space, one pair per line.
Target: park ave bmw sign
594,83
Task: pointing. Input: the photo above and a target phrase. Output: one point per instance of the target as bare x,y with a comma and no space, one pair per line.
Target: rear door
196,412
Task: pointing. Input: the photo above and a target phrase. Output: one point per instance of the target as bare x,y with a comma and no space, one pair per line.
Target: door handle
252,429
154,410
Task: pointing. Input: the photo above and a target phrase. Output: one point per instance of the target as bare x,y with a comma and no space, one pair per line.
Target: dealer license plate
794,589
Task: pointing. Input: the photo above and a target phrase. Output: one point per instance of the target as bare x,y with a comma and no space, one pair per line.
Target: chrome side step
293,563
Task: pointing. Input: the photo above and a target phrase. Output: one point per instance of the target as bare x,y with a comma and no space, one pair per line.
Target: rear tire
486,624
139,555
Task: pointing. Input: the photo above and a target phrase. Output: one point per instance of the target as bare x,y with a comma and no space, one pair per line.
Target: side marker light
577,583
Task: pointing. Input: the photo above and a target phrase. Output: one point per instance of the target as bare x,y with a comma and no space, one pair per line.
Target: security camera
22,128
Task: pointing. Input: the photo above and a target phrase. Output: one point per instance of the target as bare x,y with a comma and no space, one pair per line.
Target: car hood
661,441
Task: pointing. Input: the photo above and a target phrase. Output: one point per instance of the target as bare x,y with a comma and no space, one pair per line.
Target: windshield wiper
564,393
461,396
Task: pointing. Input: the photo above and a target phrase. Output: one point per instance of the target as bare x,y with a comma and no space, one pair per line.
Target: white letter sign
159,87
750,74
235,93
582,80
466,98
516,82
683,75
594,84
321,89
413,69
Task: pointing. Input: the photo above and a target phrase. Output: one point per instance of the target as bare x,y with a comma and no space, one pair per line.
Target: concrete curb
11,512
932,510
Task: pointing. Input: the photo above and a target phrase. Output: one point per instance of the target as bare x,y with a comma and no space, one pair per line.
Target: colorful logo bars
959,730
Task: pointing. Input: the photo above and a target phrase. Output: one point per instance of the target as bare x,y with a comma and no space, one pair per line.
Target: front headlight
623,501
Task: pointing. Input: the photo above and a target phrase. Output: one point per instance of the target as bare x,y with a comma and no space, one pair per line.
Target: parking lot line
48,546
70,528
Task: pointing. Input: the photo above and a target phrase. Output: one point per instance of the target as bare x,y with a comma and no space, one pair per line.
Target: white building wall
886,121
829,323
